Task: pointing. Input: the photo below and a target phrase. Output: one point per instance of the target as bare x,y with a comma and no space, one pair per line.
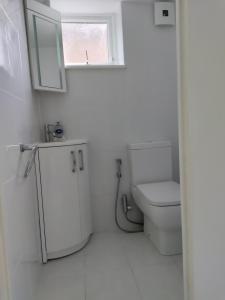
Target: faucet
48,132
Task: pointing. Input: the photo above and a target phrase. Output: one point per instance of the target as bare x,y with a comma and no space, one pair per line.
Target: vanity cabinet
44,38
63,198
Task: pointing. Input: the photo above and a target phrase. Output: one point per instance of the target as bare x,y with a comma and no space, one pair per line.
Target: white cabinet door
84,191
59,185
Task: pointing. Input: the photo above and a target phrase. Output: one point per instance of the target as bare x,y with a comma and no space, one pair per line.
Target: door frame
182,35
4,282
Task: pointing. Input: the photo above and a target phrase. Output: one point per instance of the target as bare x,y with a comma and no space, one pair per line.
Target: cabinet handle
81,156
74,161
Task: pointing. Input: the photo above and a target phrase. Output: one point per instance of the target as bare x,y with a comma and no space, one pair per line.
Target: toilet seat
161,194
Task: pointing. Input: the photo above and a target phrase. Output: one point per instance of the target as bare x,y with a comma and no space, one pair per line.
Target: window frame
108,19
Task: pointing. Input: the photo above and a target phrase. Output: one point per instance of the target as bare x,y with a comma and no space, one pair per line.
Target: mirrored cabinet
45,47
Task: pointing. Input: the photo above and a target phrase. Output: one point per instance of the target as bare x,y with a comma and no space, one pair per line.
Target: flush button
165,13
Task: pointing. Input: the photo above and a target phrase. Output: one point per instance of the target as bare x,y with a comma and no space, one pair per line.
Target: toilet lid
165,193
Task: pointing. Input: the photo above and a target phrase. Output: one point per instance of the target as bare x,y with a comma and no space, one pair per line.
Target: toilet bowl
160,204
156,194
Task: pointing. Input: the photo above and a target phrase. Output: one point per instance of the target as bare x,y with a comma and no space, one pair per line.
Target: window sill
83,67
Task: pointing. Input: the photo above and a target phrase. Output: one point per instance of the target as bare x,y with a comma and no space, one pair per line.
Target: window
88,41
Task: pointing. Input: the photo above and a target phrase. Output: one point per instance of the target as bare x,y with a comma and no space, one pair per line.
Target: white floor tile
111,284
108,274
62,288
159,282
114,266
105,252
67,266
63,279
140,250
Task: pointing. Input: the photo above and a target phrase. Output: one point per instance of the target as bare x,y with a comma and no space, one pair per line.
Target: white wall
68,7
202,120
115,107
18,123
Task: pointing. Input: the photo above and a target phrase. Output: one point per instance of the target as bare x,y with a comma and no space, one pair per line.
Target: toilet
156,194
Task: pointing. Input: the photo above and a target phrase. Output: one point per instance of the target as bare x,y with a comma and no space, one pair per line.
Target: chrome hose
119,176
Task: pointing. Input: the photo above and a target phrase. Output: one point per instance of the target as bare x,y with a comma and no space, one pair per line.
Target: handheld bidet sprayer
118,165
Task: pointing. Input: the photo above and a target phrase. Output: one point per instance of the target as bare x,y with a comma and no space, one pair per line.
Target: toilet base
167,242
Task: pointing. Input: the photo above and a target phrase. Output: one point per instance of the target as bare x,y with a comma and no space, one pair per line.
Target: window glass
85,43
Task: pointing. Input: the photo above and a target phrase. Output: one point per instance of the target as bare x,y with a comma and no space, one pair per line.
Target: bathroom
88,134
111,107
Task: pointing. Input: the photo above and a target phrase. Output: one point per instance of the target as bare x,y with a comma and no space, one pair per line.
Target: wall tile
19,122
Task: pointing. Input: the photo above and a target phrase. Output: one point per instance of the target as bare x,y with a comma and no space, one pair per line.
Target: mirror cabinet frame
33,11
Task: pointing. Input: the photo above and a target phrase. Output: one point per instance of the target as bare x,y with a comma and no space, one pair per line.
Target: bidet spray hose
119,176
119,164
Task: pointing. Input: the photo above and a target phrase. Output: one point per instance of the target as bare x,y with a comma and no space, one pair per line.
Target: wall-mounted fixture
164,13
44,36
54,132
30,162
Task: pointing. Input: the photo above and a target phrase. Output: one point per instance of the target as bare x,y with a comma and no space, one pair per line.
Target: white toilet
157,196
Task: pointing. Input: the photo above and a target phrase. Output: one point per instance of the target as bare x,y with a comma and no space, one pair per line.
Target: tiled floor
114,266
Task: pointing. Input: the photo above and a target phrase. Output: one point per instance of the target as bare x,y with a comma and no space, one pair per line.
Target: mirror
48,53
45,47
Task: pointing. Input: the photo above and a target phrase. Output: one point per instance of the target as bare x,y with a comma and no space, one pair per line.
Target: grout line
132,271
85,274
